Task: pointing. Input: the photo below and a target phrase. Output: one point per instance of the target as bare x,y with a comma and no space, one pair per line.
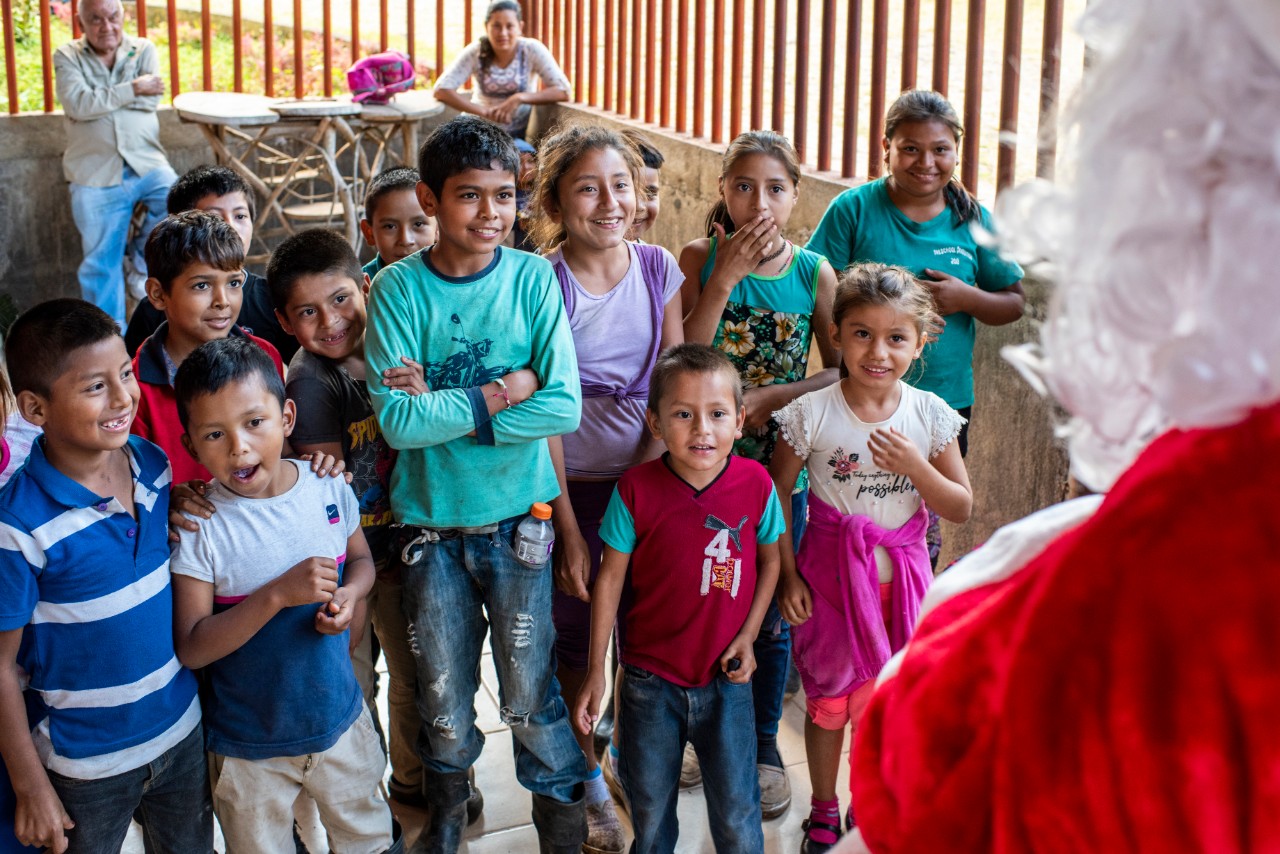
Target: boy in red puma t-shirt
699,528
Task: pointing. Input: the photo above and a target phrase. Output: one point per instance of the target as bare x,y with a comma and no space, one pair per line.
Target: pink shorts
835,712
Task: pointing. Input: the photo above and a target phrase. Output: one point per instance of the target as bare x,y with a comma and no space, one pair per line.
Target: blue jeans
446,595
169,797
102,216
656,718
773,645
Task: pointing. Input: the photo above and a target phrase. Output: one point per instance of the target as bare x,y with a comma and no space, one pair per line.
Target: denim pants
773,645
446,595
169,797
102,216
656,718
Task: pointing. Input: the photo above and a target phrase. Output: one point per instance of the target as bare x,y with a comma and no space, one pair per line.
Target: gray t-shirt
613,334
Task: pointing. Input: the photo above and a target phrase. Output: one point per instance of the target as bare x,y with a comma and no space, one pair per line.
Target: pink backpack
375,78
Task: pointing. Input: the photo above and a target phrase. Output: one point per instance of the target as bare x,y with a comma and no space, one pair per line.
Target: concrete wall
1014,462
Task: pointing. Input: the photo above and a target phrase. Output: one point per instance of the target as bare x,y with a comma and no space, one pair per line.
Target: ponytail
961,201
486,53
719,213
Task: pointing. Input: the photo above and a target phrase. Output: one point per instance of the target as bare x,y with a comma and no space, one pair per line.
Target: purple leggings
572,616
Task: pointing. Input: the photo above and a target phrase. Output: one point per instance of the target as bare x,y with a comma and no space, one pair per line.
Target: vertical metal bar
410,35
10,56
468,14
579,64
1050,80
355,30
636,43
1011,78
780,65
757,64
737,53
973,94
682,66
299,69
717,72
439,38
268,50
46,55
800,136
699,67
879,71
668,58
174,82
206,42
327,24
941,45
852,89
620,44
650,58
572,28
237,52
910,42
383,27
142,19
593,54
533,19
75,19
826,84
607,70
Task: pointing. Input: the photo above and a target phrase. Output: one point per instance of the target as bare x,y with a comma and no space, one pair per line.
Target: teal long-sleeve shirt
466,332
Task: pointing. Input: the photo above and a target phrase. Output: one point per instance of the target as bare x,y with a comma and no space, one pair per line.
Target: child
489,328
394,223
877,451
617,296
920,216
648,200
758,297
263,595
223,193
703,526
111,725
319,290
196,262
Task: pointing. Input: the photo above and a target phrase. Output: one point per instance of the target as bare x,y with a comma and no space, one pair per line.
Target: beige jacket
107,125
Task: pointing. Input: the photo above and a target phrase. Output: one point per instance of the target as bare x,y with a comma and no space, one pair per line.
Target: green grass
190,55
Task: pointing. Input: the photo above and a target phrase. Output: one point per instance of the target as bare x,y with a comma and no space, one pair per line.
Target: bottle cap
540,511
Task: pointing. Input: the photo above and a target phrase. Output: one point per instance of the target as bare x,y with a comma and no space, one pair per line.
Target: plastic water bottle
535,536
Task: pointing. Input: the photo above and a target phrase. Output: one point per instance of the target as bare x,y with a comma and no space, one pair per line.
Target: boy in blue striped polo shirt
109,727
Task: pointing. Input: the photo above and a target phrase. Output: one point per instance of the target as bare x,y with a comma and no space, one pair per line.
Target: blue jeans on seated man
168,796
102,215
773,648
656,718
446,594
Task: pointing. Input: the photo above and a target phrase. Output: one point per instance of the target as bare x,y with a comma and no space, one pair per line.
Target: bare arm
604,613
451,98
994,308
943,482
742,647
794,599
572,558
40,818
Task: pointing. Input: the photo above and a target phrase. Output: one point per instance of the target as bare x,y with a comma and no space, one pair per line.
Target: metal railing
821,72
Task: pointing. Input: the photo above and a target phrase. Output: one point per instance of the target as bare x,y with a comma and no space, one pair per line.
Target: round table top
308,108
234,109
412,105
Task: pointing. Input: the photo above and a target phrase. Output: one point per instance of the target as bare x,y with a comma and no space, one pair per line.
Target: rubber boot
562,828
446,796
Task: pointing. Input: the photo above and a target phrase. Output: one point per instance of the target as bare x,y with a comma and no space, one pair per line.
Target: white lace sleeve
944,425
793,422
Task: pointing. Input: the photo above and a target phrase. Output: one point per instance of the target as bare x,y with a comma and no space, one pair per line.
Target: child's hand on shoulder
586,710
336,616
186,500
795,599
327,465
410,379
308,582
740,652
895,453
41,820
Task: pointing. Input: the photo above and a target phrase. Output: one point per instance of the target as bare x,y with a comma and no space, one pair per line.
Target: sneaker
775,791
611,780
808,845
690,770
604,831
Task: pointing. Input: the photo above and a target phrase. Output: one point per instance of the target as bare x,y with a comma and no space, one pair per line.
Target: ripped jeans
447,592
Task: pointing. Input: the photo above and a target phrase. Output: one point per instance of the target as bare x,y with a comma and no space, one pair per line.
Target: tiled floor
505,825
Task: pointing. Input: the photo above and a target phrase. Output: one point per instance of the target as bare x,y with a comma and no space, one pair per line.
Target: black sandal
810,846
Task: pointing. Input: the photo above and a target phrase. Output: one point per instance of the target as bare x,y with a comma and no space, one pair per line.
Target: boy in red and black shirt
702,527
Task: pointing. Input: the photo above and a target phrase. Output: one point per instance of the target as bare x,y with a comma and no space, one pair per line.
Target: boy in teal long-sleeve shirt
489,327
